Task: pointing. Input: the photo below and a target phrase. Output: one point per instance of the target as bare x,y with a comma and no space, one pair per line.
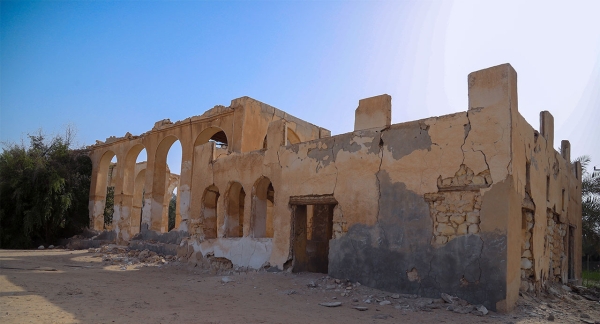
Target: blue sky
115,67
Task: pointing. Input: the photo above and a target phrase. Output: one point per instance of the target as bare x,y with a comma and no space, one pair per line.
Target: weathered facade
477,204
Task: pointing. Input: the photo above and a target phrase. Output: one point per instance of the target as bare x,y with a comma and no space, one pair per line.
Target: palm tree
590,206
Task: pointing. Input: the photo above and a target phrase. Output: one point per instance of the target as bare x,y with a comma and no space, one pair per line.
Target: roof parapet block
547,127
494,87
374,112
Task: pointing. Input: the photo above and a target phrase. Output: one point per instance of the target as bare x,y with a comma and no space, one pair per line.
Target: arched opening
213,134
138,198
100,190
292,137
133,188
210,199
109,205
263,197
167,164
171,216
172,209
234,220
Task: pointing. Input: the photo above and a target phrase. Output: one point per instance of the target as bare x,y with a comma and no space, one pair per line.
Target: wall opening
213,134
571,252
138,198
263,198
172,209
134,181
209,211
167,165
311,231
109,198
234,220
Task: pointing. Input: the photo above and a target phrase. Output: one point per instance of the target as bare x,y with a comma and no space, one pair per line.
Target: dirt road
61,286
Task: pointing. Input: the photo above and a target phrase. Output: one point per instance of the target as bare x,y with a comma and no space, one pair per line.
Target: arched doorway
210,200
234,220
263,198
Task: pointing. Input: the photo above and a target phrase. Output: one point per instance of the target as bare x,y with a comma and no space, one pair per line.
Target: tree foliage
172,207
590,205
44,191
109,206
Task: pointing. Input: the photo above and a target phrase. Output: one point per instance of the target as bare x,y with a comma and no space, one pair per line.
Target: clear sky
111,67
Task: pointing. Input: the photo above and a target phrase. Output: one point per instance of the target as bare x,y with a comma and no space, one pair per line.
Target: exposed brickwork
527,261
455,209
555,237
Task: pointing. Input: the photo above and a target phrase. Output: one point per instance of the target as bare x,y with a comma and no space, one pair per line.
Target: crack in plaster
465,139
335,166
378,172
479,258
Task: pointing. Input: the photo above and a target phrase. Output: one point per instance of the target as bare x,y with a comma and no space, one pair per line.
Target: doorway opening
311,231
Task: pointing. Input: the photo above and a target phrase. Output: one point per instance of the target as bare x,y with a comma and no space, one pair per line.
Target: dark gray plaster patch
403,139
374,147
172,237
295,148
347,142
380,255
319,153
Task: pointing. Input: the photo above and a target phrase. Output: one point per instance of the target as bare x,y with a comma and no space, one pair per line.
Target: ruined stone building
476,204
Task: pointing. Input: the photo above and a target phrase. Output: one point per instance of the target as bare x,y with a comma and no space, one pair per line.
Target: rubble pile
361,298
112,254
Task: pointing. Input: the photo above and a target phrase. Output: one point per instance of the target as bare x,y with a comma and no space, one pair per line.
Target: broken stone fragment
331,304
447,298
463,309
360,308
385,302
480,310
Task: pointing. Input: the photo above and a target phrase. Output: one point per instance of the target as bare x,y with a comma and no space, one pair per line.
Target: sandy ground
62,286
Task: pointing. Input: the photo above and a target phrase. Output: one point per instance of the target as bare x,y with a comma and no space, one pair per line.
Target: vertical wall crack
378,172
335,166
467,131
